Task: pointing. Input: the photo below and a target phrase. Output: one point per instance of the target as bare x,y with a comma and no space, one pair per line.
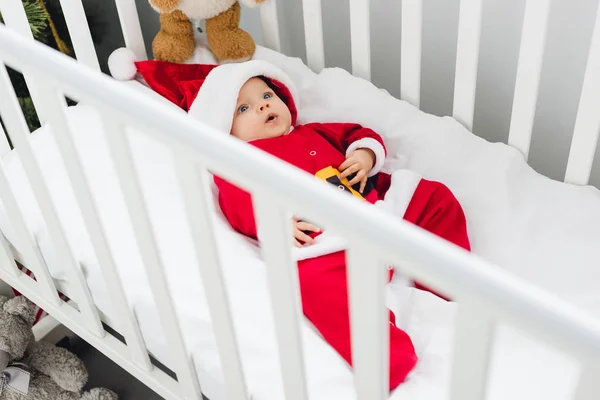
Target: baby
256,103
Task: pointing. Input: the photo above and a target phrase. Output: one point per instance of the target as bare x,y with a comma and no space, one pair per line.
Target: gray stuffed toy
31,370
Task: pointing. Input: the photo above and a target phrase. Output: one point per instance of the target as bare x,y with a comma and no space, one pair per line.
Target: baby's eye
242,109
267,96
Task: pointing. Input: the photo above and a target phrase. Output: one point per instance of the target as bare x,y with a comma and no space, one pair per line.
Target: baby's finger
348,162
359,176
305,226
297,243
349,171
303,237
363,183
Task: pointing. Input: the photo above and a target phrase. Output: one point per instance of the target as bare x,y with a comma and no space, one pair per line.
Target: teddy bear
175,42
37,370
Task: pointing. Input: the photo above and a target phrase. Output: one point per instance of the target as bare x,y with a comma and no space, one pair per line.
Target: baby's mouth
271,118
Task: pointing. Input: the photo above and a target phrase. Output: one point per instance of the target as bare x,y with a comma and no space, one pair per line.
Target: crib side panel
587,124
313,31
467,61
270,25
360,38
410,59
132,31
531,55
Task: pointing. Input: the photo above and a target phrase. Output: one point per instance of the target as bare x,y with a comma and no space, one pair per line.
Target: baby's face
260,113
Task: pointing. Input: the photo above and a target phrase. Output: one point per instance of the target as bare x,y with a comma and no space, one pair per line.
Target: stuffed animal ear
21,307
3,299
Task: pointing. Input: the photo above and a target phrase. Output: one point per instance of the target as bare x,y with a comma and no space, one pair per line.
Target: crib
487,296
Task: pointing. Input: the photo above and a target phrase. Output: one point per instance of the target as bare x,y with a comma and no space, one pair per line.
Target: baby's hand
299,235
361,162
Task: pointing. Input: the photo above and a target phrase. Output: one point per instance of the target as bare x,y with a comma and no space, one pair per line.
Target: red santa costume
318,149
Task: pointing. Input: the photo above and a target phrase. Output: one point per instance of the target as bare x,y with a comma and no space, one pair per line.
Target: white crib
486,295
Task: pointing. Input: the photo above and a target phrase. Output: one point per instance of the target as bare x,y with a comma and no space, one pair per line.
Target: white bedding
543,231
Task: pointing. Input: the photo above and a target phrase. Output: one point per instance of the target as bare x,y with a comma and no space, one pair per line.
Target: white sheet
544,231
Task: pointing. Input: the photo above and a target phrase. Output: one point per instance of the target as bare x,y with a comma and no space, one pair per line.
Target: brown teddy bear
175,41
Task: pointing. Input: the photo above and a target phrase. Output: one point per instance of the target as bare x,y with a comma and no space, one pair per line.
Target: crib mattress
543,231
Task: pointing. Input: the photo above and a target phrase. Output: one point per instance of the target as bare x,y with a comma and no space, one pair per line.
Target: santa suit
319,149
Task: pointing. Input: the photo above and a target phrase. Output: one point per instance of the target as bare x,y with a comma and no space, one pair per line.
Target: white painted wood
589,384
130,25
80,34
50,101
410,59
587,124
4,145
146,243
431,260
467,60
89,210
50,330
17,128
360,37
313,34
15,18
472,349
160,382
369,323
194,183
276,241
6,258
531,56
270,25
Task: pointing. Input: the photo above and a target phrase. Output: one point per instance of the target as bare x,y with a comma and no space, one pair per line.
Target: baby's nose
262,108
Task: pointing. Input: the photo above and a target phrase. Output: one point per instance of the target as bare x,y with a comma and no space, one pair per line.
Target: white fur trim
375,147
401,191
121,64
217,98
327,243
204,9
253,3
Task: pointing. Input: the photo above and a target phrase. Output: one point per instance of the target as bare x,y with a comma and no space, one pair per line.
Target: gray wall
568,41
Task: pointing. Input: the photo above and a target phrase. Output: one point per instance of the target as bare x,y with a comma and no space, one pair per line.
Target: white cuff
375,147
253,3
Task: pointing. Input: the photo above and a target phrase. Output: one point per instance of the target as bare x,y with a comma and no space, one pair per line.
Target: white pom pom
121,64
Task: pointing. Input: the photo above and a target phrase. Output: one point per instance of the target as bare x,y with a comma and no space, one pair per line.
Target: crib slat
270,25
589,384
360,36
15,18
472,350
467,59
130,25
369,323
17,127
313,34
587,124
531,55
93,224
4,145
198,201
410,68
275,233
146,243
40,189
6,258
80,34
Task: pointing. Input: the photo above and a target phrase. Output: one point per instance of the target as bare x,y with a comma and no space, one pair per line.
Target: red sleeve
347,137
236,205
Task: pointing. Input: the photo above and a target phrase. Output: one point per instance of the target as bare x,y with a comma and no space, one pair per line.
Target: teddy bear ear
21,307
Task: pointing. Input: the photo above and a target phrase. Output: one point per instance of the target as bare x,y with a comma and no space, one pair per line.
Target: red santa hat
208,92
215,102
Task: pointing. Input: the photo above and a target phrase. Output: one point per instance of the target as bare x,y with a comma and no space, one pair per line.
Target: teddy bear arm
164,6
62,366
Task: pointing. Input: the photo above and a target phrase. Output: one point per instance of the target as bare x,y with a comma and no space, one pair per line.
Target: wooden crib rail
486,295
